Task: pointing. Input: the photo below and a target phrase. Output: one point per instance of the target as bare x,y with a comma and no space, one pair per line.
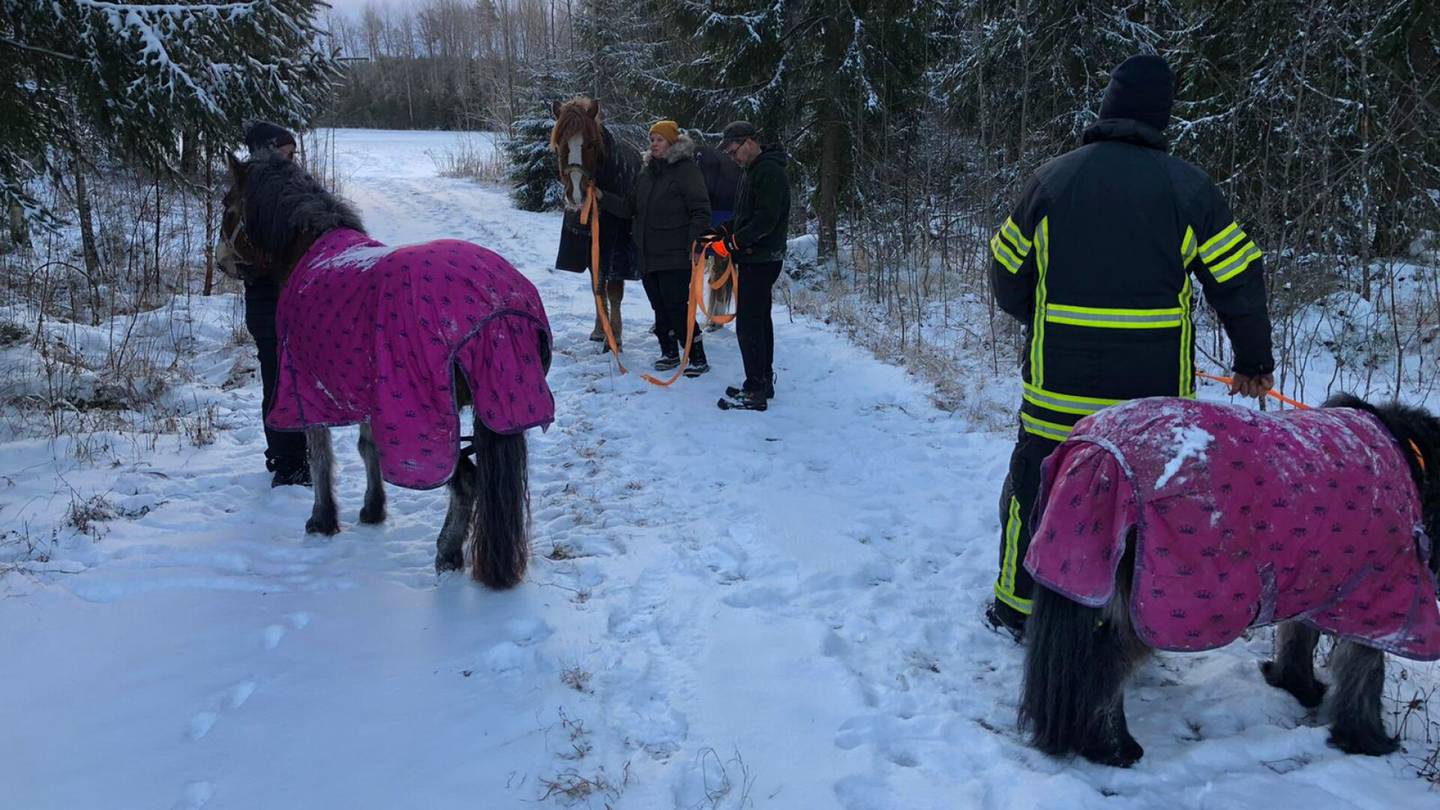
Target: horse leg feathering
373,510
1293,668
324,517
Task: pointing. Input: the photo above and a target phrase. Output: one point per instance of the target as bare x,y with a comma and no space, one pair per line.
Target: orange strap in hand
1294,403
1414,448
590,214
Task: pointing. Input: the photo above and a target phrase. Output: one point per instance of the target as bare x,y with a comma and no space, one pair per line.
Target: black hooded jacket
762,209
1100,260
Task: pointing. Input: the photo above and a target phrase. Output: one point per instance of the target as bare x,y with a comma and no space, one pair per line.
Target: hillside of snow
724,609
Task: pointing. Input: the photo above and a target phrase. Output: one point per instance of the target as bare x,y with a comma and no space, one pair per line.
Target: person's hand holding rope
721,236
1252,387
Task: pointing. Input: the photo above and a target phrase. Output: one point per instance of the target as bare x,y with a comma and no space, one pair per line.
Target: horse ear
595,108
555,107
237,167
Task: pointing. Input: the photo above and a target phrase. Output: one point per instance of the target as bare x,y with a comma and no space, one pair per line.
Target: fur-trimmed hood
682,149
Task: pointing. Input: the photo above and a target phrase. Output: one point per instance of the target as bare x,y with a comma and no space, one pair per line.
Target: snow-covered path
724,610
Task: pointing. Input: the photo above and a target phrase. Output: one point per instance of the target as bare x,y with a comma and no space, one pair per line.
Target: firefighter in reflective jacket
1099,260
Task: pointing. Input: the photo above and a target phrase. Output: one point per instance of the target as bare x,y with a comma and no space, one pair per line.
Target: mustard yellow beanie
669,130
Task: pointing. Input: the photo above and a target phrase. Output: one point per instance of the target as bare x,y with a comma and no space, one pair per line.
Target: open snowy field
724,610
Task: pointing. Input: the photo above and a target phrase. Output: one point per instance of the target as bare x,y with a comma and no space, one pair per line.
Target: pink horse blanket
1241,519
371,333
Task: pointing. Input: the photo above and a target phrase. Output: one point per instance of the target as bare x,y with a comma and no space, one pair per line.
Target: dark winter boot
1006,620
698,365
291,474
733,392
667,361
743,401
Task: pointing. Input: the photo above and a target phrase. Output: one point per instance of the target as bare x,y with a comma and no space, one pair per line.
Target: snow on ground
725,610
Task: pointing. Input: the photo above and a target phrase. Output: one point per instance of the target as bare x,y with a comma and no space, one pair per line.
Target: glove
716,234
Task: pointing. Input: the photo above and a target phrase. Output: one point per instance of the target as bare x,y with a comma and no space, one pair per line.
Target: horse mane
574,118
283,201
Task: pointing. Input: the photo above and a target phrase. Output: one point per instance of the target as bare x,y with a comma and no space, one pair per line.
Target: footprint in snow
197,795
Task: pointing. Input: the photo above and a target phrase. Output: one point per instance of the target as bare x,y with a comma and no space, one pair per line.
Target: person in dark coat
1099,260
669,210
284,450
722,181
756,240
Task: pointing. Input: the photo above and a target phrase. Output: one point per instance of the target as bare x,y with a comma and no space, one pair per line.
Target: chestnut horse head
579,146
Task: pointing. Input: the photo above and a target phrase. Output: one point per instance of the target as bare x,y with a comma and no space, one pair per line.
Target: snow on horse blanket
1241,518
370,332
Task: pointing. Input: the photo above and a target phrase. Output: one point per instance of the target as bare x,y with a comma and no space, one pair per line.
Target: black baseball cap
737,131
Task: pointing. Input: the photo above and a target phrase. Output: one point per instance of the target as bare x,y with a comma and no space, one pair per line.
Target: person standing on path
756,240
284,450
1099,261
669,211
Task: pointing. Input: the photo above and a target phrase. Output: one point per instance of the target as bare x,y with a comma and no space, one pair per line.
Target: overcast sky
353,8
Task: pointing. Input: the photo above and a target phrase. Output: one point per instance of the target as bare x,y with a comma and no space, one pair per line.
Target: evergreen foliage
128,78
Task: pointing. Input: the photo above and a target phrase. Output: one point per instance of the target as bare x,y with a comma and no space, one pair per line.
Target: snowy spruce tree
532,172
819,75
128,78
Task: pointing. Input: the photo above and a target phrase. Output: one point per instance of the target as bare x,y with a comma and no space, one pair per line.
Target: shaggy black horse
1078,658
274,212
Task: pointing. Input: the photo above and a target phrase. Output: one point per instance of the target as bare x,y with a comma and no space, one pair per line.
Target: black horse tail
1077,659
497,541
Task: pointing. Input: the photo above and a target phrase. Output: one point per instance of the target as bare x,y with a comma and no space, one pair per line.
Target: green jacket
669,207
762,209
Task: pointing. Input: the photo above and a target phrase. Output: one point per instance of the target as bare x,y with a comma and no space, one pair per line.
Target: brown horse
586,156
277,219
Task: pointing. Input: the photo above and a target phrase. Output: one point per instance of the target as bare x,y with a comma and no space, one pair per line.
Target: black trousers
284,450
754,328
1015,586
669,294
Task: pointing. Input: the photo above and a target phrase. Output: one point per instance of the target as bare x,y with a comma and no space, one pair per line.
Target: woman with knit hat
670,209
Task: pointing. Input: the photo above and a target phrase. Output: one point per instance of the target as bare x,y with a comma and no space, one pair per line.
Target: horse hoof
1123,754
370,517
443,564
325,526
1309,694
1366,743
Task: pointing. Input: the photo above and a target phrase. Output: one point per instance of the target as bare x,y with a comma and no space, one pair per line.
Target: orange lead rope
697,301
590,214
1271,393
1414,448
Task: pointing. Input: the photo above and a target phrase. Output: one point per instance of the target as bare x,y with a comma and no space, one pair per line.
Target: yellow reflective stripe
1001,250
1047,430
1065,403
1006,583
1208,250
1022,605
1215,255
1188,251
1012,232
1237,263
1114,310
1103,318
1187,337
1037,336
